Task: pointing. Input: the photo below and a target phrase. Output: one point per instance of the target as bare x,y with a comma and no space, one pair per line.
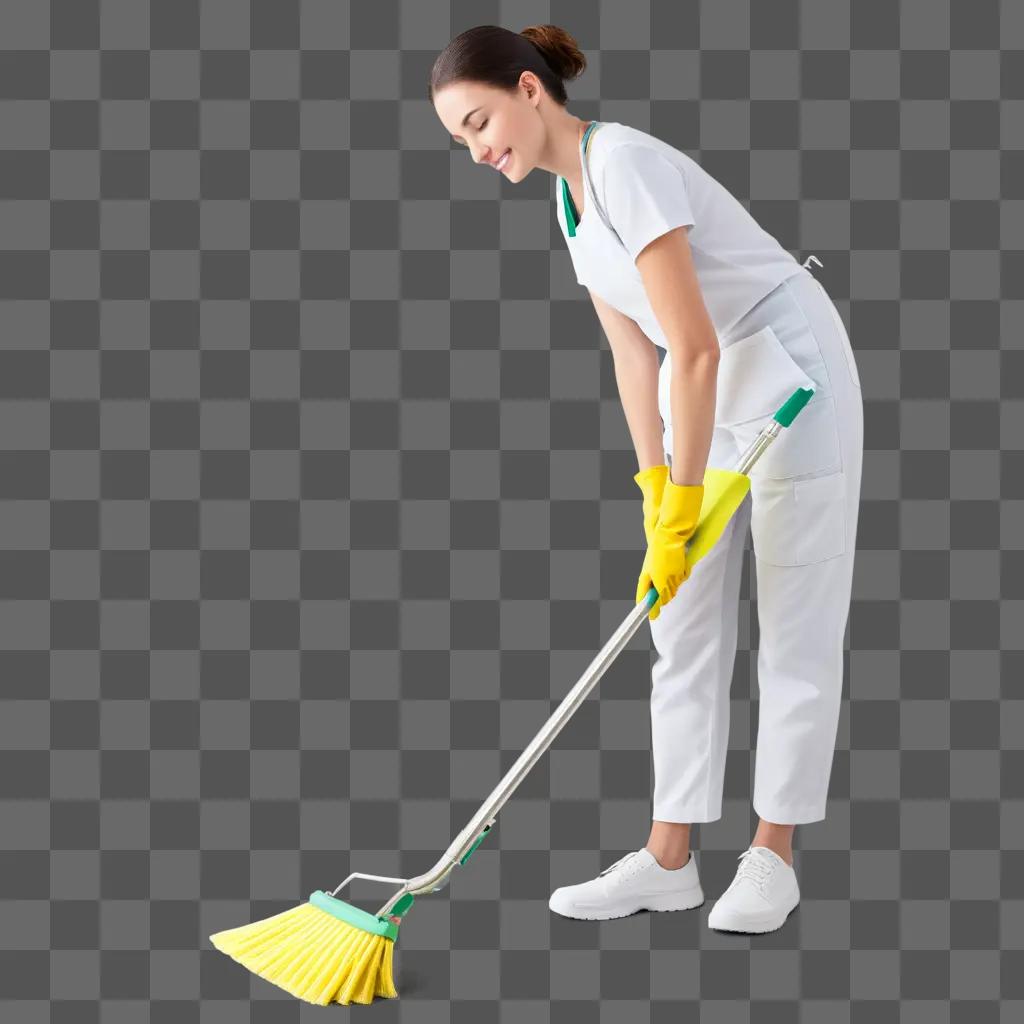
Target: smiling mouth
501,164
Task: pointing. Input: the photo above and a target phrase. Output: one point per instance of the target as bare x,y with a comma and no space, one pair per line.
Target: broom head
323,951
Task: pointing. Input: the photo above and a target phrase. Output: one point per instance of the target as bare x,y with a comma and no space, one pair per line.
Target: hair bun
559,49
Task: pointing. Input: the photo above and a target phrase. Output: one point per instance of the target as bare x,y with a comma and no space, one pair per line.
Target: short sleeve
644,195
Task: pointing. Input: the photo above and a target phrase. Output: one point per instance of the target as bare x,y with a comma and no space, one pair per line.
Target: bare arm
636,373
666,267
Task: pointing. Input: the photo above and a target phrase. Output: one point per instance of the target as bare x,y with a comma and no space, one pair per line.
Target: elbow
699,367
697,359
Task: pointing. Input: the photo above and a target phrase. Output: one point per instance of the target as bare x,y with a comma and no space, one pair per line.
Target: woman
672,260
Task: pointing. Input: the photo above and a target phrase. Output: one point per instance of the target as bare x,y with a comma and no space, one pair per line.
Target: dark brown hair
497,56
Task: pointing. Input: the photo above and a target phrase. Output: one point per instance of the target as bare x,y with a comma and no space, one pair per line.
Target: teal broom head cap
354,915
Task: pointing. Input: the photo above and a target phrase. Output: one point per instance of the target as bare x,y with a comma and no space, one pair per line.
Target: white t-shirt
647,187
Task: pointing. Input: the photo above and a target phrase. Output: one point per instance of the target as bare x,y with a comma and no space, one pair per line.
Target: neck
562,156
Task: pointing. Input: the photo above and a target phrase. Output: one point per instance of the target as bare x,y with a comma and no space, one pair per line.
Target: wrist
680,505
684,483
651,477
651,482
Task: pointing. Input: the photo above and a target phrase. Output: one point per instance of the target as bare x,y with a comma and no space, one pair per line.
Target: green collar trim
571,221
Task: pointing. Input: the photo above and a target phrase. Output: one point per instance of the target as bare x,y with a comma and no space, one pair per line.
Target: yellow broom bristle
314,956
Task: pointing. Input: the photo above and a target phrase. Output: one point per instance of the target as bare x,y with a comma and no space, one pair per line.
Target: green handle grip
792,406
480,838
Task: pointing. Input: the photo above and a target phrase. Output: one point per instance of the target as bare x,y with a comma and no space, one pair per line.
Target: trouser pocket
756,375
798,521
809,446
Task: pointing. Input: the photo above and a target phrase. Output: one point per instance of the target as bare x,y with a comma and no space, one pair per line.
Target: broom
321,951
327,950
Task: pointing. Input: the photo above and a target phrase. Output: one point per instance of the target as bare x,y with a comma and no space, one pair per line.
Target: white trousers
802,513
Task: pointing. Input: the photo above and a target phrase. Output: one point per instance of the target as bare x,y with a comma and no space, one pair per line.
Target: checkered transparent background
317,498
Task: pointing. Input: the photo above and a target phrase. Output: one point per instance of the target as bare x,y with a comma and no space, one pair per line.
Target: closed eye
462,142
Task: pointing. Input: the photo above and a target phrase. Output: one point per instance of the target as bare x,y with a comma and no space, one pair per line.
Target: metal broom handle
474,832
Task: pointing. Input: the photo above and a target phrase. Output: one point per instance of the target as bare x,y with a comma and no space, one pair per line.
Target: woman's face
496,122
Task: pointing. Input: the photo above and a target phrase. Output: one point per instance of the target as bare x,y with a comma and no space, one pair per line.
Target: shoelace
754,866
621,860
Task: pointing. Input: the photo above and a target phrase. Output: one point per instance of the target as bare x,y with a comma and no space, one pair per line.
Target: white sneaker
760,897
634,882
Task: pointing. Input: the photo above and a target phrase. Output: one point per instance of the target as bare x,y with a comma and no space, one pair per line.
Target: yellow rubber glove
652,482
724,491
665,564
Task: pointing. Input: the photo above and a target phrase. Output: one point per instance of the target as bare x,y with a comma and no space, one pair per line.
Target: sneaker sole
753,930
658,904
